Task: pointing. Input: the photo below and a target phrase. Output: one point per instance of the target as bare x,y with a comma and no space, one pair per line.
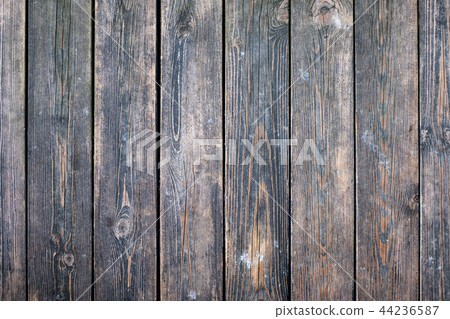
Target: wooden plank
125,188
435,148
59,151
12,151
322,187
257,111
387,150
191,186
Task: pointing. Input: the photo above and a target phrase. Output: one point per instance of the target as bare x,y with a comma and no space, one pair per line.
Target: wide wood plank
12,151
59,150
191,128
322,120
387,150
257,112
125,173
435,148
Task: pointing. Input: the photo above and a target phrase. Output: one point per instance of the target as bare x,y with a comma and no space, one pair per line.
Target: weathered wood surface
12,151
435,148
59,150
191,185
125,173
387,150
366,222
256,112
322,189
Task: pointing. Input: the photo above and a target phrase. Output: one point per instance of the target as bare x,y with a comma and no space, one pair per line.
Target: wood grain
387,150
59,150
191,185
12,151
257,111
322,111
125,181
435,149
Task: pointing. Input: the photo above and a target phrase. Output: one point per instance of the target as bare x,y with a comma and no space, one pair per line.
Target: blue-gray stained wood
191,132
256,179
12,151
59,150
434,148
124,164
356,209
387,152
322,123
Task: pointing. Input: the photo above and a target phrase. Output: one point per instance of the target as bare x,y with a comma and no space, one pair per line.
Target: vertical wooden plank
125,178
59,150
12,151
322,187
435,148
387,150
257,112
191,186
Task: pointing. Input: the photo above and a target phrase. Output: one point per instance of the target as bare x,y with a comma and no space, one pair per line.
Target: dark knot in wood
68,259
324,11
122,228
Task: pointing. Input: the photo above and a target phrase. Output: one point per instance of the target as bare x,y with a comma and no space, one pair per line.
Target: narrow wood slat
191,118
435,148
59,150
257,111
12,151
322,119
125,176
387,150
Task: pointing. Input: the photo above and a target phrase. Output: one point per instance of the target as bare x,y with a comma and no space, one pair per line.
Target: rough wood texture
257,193
322,188
125,176
191,185
387,150
435,148
12,151
59,150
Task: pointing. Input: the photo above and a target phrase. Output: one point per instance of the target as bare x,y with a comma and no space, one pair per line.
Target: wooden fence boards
322,189
355,206
387,150
125,173
59,151
191,186
257,111
12,151
434,149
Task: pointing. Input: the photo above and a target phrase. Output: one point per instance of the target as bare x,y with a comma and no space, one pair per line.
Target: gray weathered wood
387,150
59,150
125,179
257,111
191,185
435,148
322,187
12,151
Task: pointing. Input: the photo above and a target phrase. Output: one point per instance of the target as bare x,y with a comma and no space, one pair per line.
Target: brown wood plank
435,148
12,151
322,187
125,187
387,150
191,185
257,111
59,150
